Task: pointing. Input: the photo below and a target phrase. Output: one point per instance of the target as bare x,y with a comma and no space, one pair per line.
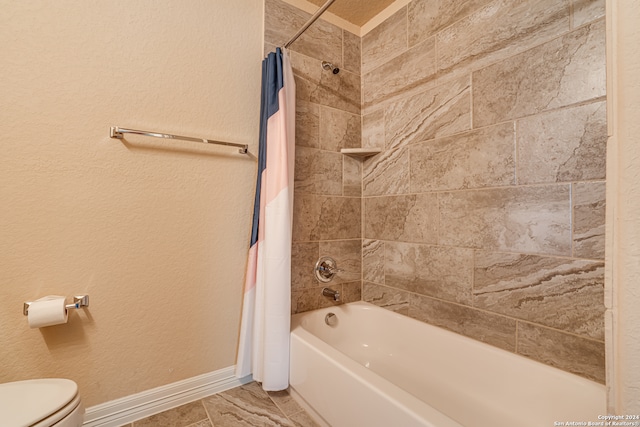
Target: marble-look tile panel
427,17
247,405
565,294
303,300
479,158
351,292
339,129
564,71
304,256
589,206
313,84
352,52
351,177
585,11
303,419
285,402
373,261
348,257
322,40
307,124
268,48
181,416
441,111
203,423
386,297
384,42
325,218
437,271
521,219
574,354
498,30
318,172
386,173
408,73
411,218
492,329
373,129
563,145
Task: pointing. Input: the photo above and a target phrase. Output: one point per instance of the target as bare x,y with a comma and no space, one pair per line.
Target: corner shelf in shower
360,152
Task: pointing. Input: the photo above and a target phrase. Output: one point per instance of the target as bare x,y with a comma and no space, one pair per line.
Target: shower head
329,66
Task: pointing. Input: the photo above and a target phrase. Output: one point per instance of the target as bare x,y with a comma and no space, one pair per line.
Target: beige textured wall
485,212
155,231
623,185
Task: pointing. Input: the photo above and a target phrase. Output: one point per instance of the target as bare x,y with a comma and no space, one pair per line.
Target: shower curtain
266,313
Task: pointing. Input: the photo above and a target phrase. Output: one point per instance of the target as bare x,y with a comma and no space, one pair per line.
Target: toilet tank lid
24,403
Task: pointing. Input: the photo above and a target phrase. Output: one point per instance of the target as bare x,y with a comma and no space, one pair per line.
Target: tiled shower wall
327,199
485,212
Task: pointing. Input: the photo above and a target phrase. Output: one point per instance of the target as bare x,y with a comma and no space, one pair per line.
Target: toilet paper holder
79,301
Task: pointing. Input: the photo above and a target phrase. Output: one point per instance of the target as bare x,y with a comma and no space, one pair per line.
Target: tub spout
331,294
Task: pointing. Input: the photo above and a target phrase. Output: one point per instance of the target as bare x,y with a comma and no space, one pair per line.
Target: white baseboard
140,405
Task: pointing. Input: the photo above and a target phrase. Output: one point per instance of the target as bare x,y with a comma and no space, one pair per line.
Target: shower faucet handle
325,269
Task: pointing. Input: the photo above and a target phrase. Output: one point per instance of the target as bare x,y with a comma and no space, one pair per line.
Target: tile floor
247,405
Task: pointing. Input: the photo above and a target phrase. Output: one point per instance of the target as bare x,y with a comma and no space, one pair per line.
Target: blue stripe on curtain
272,77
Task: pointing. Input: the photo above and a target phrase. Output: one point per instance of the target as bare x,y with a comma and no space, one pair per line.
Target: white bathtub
378,368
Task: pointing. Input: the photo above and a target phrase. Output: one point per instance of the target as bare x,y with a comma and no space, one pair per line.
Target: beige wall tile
441,111
307,124
373,261
322,40
435,271
574,354
585,11
313,84
489,328
478,158
411,218
386,297
561,293
339,129
351,177
351,292
499,30
304,256
564,145
312,299
384,42
427,17
318,172
352,52
348,257
373,129
522,219
564,71
386,173
325,217
589,205
411,71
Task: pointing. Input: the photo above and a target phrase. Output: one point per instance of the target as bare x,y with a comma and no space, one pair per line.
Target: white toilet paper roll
47,311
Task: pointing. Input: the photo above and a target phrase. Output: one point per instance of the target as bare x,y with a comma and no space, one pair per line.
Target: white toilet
40,403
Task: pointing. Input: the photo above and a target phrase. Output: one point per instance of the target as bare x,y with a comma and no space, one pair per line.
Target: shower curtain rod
309,22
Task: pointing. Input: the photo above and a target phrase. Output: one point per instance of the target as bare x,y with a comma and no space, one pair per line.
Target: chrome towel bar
118,133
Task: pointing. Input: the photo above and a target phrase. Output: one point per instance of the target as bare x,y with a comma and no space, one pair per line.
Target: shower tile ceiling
358,12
